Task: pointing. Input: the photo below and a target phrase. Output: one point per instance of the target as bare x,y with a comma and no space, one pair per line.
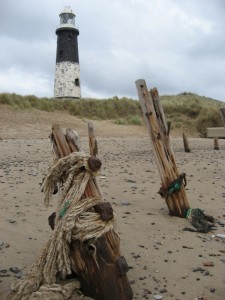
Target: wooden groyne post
222,113
98,263
216,144
173,182
186,143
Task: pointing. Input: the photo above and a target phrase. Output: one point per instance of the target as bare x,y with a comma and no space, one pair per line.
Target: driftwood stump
98,264
173,182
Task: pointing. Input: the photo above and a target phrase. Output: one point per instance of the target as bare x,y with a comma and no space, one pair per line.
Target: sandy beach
163,259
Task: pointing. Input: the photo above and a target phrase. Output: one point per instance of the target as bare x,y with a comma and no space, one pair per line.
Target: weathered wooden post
216,144
93,145
186,143
216,140
222,113
98,263
173,182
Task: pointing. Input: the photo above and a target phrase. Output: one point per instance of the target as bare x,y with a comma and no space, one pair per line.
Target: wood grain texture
161,147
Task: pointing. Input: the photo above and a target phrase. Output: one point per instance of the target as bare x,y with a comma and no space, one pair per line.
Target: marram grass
186,111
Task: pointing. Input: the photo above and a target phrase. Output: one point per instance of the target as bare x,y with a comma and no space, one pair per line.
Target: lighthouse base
67,80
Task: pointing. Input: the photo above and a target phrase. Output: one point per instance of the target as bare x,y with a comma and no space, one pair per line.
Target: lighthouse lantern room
67,72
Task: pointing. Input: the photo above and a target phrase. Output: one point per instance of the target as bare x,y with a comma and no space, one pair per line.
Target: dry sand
163,259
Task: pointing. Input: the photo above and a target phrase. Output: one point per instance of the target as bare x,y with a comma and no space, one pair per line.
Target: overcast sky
175,45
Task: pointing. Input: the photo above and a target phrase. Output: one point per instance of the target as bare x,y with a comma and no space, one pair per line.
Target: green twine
64,208
202,223
188,213
193,212
174,187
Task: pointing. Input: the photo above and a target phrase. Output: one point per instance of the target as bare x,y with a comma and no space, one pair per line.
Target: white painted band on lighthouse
67,80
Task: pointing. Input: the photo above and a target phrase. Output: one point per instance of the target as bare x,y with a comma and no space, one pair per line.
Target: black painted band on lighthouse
67,45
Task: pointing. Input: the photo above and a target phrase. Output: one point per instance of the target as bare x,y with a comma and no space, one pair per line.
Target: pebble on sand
158,297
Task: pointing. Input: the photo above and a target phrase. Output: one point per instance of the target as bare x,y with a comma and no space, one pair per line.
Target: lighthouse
67,71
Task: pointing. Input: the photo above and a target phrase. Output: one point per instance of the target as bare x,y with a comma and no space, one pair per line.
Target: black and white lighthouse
67,72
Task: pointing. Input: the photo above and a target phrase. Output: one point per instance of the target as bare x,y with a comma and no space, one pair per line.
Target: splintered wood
172,181
97,263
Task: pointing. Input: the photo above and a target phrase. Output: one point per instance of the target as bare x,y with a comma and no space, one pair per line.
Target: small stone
141,278
222,259
136,256
125,203
198,270
158,297
187,247
146,292
14,270
12,221
1,243
222,236
208,264
221,222
5,275
212,290
19,275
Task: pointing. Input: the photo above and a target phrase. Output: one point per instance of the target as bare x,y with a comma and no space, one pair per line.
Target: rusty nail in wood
122,265
94,164
105,210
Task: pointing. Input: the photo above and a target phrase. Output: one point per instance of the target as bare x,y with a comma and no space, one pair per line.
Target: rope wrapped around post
75,220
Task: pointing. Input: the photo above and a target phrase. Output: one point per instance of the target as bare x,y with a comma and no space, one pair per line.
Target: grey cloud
26,20
175,45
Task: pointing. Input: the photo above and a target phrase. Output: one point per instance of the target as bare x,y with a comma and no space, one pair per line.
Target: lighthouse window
69,38
77,83
64,18
61,53
67,18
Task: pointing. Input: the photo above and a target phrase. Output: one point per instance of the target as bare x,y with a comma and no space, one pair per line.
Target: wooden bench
216,132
